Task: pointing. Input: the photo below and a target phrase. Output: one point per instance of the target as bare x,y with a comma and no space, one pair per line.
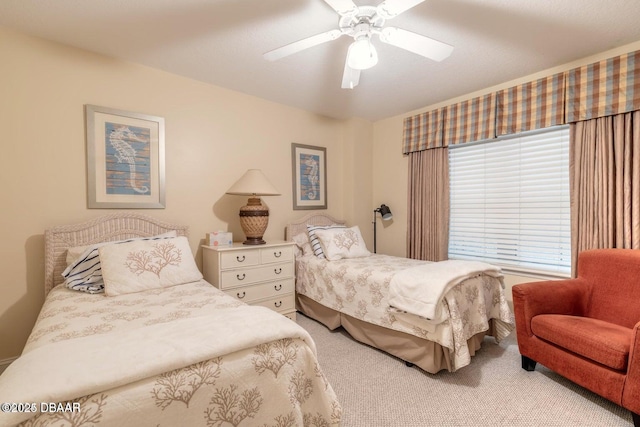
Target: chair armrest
549,297
631,391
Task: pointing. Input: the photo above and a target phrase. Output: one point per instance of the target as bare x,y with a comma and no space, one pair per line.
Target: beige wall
356,183
212,136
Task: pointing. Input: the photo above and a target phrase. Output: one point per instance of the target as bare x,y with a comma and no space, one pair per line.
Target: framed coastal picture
125,159
309,165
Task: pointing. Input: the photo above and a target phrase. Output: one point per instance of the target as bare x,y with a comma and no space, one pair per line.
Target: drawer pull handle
241,278
241,296
277,254
277,270
277,287
240,259
278,304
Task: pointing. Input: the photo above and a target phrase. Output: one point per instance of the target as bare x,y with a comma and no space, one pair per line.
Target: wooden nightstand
257,275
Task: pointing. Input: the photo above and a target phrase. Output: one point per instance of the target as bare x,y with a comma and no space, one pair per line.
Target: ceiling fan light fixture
362,54
361,23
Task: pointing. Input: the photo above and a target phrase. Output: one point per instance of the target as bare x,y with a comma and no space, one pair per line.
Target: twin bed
181,354
358,294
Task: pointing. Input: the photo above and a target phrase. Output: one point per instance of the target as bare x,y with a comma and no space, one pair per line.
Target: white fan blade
343,7
295,47
392,8
350,78
416,43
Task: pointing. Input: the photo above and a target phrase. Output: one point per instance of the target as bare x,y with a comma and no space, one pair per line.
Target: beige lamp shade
254,216
253,183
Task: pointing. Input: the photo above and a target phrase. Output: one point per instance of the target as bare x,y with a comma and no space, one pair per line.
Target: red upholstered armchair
587,329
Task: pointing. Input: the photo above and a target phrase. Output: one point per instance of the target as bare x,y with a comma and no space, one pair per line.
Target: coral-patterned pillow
313,239
147,264
338,243
84,272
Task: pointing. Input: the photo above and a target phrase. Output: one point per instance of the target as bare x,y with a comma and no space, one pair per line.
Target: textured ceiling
222,41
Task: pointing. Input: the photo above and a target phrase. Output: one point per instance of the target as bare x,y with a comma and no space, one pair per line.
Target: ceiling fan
361,23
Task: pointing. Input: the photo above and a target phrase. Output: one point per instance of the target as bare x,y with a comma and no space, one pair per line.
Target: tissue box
220,238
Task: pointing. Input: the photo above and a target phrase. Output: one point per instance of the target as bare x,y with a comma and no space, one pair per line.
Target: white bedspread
419,290
77,367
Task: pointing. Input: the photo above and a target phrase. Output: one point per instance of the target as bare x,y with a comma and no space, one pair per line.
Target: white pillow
75,252
338,243
315,243
302,244
147,264
85,274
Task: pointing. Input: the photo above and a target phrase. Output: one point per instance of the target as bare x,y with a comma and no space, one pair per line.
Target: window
510,202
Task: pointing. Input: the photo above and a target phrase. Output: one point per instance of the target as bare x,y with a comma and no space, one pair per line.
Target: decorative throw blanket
66,370
418,290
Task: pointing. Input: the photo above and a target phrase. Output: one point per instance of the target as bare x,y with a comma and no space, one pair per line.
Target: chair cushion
600,341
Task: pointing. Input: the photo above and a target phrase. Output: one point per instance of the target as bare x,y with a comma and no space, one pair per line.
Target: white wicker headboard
300,226
118,226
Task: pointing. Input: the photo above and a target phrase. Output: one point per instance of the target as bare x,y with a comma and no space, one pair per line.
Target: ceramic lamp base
254,218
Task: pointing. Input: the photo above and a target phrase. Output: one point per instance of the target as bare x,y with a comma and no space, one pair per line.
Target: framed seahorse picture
309,166
125,159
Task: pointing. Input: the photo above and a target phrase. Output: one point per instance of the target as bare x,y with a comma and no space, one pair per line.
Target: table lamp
254,216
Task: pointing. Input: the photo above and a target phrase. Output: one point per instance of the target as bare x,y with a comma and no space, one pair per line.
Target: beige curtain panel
605,183
428,205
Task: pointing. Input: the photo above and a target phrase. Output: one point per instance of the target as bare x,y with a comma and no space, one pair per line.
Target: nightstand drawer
276,254
238,259
284,304
242,277
252,293
257,275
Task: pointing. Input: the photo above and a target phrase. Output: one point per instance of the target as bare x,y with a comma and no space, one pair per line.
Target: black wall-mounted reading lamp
386,214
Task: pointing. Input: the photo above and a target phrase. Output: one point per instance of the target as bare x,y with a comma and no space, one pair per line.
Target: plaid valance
471,120
604,88
533,105
466,121
423,132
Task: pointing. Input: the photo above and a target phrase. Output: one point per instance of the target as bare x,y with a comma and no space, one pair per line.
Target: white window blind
510,202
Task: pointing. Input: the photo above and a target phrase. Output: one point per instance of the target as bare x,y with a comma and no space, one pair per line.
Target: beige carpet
378,390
